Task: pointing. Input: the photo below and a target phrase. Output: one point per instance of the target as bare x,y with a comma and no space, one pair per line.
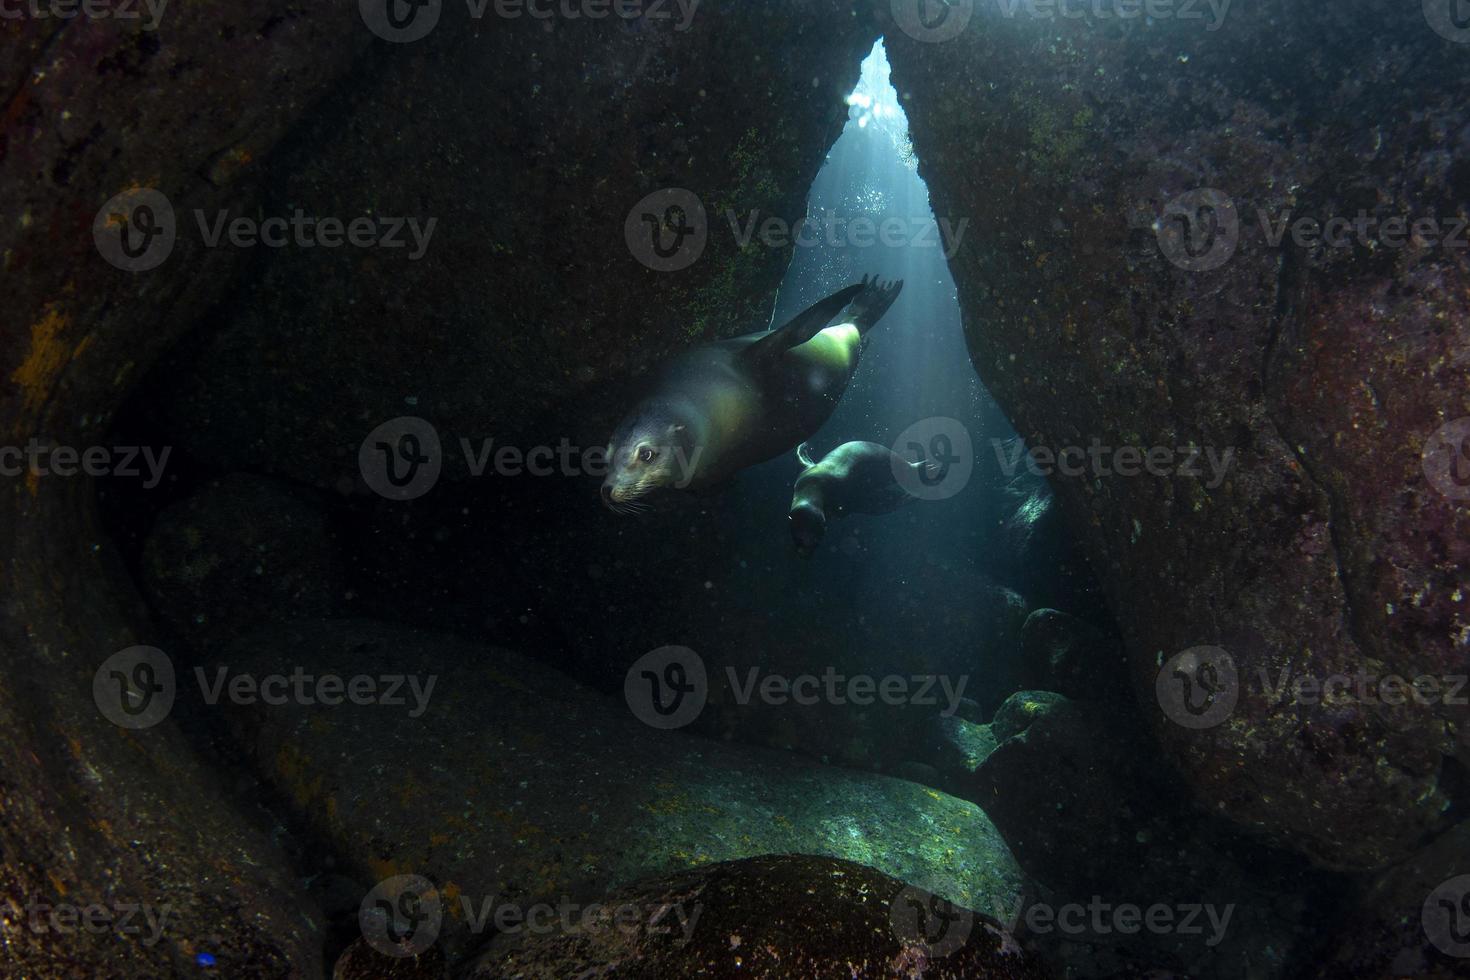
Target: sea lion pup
854,478
733,403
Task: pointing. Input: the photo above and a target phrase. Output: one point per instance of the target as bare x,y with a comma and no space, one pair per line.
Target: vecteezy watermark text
120,10
668,230
668,688
404,457
1201,230
1100,917
99,918
406,21
1201,687
834,230
934,21
136,688
137,229
40,457
402,916
1102,460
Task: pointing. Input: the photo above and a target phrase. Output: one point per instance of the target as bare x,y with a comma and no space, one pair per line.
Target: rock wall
95,814
1109,295
195,108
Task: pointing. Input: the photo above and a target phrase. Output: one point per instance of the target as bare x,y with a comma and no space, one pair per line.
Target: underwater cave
780,488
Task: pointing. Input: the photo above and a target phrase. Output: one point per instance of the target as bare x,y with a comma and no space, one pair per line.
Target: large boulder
96,815
769,917
1074,789
509,782
1122,288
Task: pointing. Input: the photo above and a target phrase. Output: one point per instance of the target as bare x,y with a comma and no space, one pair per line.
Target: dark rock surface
770,917
1020,709
94,814
516,783
1090,814
1395,925
1325,371
1065,654
528,300
958,748
244,551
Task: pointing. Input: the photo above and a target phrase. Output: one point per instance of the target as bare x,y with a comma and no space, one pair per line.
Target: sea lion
854,478
734,403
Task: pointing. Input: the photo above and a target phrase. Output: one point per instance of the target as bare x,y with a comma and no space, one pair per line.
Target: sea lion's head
808,523
651,450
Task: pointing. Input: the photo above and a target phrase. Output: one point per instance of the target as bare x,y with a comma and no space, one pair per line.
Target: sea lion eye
647,453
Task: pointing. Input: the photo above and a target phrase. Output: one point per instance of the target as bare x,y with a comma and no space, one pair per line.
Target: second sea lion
854,478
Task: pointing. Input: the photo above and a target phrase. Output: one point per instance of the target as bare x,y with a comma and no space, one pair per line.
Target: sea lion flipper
802,327
804,455
870,305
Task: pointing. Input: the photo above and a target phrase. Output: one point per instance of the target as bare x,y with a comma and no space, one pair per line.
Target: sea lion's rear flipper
804,455
802,327
870,304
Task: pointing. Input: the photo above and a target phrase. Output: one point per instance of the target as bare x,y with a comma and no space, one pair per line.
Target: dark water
409,573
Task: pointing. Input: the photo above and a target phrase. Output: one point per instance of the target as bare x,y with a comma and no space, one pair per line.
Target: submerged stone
770,917
512,784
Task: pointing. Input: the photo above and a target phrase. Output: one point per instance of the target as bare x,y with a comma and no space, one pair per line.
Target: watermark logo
1446,459
1449,18
401,21
667,231
667,688
932,21
1446,917
933,458
1199,230
1198,688
401,916
402,458
932,924
135,231
134,688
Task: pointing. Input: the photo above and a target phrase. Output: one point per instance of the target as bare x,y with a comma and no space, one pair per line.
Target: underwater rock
534,154
244,551
94,814
1396,924
514,784
1065,654
767,917
1128,289
959,748
360,961
1091,815
1020,709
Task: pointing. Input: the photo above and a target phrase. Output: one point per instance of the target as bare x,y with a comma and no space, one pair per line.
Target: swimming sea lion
854,478
734,403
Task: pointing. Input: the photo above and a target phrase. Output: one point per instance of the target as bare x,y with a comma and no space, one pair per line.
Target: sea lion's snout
607,495
808,524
